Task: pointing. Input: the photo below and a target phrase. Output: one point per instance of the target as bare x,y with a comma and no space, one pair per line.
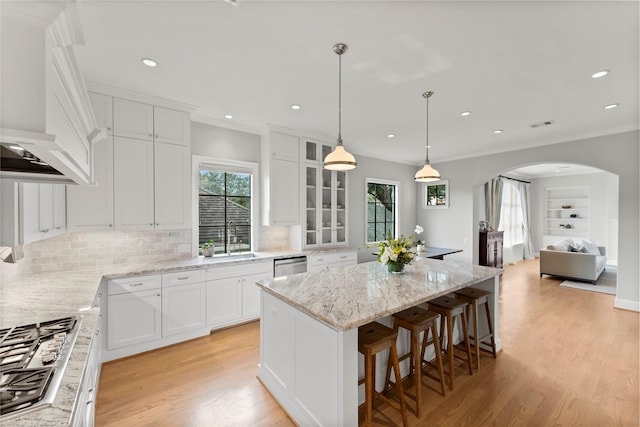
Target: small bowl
566,206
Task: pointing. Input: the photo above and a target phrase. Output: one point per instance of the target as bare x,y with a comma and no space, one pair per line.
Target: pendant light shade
427,173
340,159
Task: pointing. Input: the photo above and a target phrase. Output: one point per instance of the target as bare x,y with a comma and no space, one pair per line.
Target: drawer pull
184,278
133,285
343,257
320,259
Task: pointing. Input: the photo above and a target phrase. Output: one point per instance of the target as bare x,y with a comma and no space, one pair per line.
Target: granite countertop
348,297
46,296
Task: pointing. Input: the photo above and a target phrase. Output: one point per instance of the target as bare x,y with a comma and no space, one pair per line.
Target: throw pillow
590,247
561,245
577,247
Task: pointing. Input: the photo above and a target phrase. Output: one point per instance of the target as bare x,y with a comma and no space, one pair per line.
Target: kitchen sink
226,257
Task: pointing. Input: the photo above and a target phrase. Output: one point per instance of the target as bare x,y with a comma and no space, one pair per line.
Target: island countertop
348,297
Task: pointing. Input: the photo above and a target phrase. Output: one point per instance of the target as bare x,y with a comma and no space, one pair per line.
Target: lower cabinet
134,311
84,408
232,293
319,262
183,301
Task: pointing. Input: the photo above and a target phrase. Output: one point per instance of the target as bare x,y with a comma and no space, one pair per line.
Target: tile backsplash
100,249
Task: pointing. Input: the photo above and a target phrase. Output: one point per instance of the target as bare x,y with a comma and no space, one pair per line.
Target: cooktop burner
32,361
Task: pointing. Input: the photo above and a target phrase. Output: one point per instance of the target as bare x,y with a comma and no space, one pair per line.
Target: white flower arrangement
419,230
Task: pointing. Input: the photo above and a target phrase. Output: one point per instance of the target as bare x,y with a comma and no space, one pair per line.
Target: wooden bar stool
448,307
475,297
417,320
372,339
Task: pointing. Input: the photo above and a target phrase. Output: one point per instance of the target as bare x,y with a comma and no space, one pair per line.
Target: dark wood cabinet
491,248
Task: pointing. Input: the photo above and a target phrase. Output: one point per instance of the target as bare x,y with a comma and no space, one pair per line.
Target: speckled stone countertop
348,297
47,296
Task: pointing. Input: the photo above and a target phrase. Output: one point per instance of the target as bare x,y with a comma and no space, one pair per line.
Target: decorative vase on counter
395,267
420,248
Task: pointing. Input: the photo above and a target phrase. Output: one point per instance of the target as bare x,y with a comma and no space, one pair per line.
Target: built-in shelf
560,204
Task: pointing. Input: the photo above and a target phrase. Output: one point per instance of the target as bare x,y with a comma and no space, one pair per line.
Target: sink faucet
235,232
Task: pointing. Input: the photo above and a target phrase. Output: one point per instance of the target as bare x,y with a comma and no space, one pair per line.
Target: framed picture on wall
435,195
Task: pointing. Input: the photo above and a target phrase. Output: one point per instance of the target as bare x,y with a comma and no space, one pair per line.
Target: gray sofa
572,265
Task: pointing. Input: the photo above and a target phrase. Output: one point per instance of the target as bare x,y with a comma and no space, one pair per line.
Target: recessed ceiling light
228,116
391,135
149,62
232,2
465,113
498,131
295,107
610,106
600,74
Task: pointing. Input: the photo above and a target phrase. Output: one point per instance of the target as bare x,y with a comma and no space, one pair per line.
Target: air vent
541,124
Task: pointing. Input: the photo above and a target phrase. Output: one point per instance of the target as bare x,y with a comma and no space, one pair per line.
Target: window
436,194
511,214
225,207
381,210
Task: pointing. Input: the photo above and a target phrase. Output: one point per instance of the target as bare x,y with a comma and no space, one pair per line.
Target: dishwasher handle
292,260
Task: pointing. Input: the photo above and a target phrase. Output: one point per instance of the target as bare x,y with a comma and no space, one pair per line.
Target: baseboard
627,304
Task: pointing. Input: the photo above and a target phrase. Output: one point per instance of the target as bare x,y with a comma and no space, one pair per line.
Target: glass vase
395,267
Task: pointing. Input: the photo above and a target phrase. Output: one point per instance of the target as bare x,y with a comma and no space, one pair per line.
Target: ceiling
548,170
511,63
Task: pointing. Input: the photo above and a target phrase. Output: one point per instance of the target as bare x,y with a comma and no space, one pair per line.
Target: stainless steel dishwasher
289,265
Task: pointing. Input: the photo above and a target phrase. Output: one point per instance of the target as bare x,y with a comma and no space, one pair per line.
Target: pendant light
427,173
340,159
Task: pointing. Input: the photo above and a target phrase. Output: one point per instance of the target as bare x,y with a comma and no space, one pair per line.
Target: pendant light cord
339,99
427,159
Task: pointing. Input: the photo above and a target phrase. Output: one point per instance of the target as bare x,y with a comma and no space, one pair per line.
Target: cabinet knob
109,128
157,295
151,135
110,225
157,224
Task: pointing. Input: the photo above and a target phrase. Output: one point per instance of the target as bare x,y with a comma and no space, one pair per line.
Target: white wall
617,153
603,192
213,141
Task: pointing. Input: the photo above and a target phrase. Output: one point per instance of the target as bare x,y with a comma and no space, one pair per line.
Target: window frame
425,187
367,181
252,167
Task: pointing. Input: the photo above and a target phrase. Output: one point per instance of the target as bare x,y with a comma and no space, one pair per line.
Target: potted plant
395,253
208,248
419,243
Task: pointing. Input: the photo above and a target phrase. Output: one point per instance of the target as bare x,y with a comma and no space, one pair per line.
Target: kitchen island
309,329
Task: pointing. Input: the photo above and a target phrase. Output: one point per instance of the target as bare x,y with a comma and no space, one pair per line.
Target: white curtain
525,203
492,201
511,222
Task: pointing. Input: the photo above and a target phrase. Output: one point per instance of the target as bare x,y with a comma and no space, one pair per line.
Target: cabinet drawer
333,258
134,284
183,277
240,270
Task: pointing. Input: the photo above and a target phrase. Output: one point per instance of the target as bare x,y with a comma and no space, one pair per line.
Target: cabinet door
284,147
132,119
284,202
59,208
133,318
133,183
172,185
90,207
102,106
183,308
251,295
29,212
171,126
45,207
224,301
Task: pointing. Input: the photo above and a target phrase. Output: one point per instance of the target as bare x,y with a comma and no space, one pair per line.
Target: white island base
312,369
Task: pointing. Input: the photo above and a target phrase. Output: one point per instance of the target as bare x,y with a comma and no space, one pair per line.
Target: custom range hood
45,109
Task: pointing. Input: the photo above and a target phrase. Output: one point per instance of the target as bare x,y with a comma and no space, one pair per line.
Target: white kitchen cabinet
102,106
133,183
84,408
34,212
134,311
319,262
280,171
183,301
171,126
232,295
172,186
324,195
132,119
90,207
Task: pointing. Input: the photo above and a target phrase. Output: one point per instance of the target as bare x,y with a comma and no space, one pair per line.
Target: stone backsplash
100,249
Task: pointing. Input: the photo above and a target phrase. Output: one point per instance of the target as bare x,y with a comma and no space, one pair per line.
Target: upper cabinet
324,200
142,172
279,172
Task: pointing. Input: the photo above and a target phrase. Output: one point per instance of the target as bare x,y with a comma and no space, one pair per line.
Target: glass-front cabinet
325,198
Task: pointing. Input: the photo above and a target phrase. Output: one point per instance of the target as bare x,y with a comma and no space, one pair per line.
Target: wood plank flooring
569,359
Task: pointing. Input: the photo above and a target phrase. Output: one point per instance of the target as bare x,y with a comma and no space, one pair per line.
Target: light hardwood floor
569,359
